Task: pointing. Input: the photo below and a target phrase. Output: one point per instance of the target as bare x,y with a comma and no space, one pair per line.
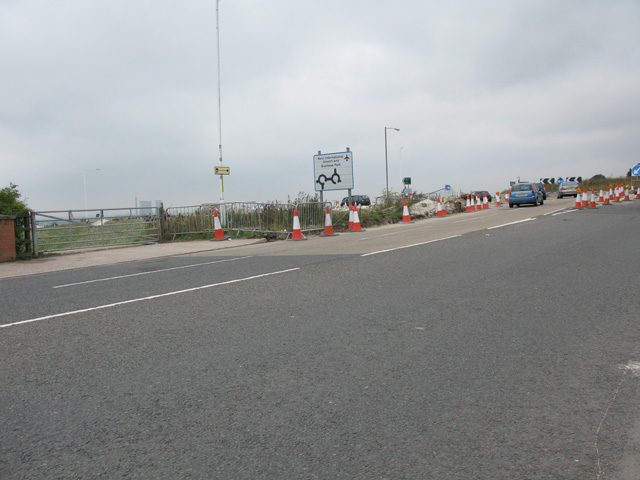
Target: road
499,344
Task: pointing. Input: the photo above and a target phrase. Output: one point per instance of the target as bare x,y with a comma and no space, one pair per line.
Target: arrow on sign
635,171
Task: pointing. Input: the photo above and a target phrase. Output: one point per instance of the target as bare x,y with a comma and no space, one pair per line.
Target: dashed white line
148,273
142,299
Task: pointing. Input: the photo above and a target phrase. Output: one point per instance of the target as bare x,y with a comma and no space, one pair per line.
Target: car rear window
521,188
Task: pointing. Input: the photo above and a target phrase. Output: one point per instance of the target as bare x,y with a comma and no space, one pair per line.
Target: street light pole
386,161
219,101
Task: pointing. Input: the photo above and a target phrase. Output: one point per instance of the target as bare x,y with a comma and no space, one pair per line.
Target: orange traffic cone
606,198
406,218
592,204
356,221
297,233
579,200
218,233
617,197
638,193
601,198
626,193
485,201
498,204
472,205
506,198
328,225
350,229
585,200
468,209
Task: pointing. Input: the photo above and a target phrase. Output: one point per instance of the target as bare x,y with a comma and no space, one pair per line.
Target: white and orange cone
328,225
350,229
356,221
592,204
498,204
406,218
506,198
472,205
638,193
601,198
626,193
585,200
478,203
297,232
468,209
485,201
579,200
606,198
617,197
218,232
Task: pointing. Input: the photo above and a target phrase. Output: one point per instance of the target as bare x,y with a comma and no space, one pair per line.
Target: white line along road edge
64,314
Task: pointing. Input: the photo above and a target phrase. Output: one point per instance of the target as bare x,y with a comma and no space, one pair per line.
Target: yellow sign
222,170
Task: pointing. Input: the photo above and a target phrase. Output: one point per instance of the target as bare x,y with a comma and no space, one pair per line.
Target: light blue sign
447,187
560,180
635,171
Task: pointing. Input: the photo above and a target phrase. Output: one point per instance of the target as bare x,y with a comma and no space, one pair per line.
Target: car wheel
559,196
535,202
511,205
542,202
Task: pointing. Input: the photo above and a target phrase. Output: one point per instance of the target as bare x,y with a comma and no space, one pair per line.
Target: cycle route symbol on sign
333,171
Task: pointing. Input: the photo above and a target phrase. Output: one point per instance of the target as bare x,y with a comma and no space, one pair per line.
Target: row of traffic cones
616,194
474,204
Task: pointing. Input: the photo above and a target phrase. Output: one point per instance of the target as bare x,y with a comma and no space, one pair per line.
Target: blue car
525,194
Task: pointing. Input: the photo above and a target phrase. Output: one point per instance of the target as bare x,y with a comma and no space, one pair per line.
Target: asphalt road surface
502,344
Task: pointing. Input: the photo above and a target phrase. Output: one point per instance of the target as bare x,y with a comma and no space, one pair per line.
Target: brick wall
7,238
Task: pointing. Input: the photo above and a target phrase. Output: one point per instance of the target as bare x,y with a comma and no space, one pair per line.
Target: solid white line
65,314
148,273
512,223
408,246
476,218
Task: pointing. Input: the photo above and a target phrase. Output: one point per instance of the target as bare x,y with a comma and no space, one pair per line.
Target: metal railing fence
77,229
243,217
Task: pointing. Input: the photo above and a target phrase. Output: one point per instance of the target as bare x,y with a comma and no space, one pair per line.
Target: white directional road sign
635,171
333,171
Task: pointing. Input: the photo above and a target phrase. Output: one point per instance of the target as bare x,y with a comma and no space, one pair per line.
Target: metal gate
78,229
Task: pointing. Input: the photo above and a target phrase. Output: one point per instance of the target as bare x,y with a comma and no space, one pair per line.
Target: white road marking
393,233
511,223
476,218
408,246
142,299
566,211
554,211
148,273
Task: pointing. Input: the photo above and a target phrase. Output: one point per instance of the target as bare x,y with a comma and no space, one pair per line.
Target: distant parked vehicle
568,189
481,194
356,199
524,194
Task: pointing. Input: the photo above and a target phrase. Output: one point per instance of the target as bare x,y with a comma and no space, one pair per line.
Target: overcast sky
483,92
